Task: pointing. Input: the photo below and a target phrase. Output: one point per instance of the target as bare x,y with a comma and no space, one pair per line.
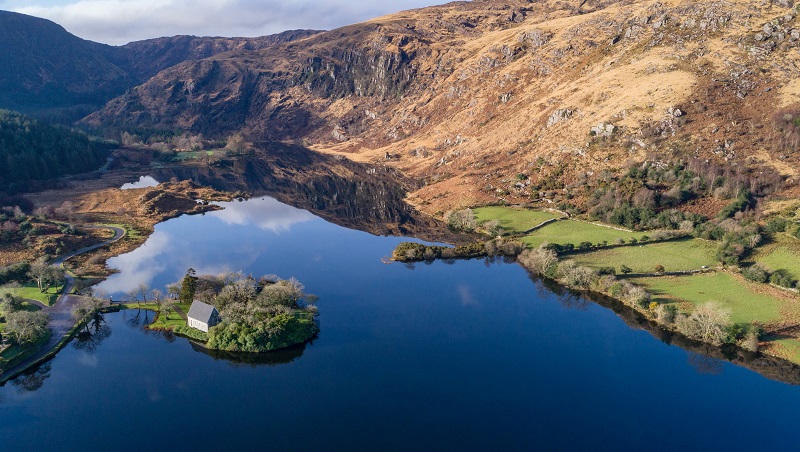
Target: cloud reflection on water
143,182
139,266
266,213
173,249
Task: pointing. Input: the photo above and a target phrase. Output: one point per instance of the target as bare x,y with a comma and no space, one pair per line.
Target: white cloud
122,21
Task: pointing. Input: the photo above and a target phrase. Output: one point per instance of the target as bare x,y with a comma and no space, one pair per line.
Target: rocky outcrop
470,95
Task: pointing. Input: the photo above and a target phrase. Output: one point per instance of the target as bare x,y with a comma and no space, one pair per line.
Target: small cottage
202,316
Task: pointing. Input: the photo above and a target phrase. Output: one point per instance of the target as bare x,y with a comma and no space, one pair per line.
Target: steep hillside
511,100
144,59
33,151
44,67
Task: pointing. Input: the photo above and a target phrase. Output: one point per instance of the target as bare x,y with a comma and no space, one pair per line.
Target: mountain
503,100
44,68
144,59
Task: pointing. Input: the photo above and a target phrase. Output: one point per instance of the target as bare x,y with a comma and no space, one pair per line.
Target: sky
121,21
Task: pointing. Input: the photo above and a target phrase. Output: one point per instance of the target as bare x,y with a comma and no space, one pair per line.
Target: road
61,321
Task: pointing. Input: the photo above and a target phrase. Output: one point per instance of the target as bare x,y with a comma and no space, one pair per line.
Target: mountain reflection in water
163,253
369,198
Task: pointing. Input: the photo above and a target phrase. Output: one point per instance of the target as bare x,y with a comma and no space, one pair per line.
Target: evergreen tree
188,286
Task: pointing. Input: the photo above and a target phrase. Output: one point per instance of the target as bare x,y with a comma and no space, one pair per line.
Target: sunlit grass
676,255
783,253
575,232
31,291
747,301
512,218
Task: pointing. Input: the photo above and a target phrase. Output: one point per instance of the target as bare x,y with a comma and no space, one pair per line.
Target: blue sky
121,21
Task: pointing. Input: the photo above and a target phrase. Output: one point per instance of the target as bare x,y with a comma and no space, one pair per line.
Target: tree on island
188,286
166,305
259,315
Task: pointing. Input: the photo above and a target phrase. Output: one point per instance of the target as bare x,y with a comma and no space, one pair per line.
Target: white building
202,316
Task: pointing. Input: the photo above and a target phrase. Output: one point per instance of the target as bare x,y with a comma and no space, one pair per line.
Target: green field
31,292
191,155
162,322
15,354
514,219
783,253
746,301
575,232
677,255
789,347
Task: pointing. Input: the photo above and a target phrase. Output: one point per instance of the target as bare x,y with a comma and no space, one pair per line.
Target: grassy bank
747,301
783,252
673,256
16,354
31,291
161,322
514,219
575,232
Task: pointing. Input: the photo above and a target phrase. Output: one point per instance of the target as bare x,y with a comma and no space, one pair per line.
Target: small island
233,312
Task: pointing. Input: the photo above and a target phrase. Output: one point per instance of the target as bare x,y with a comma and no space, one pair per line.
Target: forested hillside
31,150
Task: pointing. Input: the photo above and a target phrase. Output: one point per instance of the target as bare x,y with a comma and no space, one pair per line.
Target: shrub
743,201
624,269
461,220
194,333
659,268
606,271
755,273
751,341
666,313
408,251
782,278
636,296
776,225
493,227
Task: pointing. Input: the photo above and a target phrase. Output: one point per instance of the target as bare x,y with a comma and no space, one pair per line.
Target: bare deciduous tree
708,323
538,260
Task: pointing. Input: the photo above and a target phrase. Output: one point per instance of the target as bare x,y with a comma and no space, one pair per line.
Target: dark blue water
463,356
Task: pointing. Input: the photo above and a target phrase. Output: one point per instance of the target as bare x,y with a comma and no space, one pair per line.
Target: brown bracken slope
469,95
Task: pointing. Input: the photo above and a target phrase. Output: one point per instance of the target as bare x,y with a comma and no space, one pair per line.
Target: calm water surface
463,356
143,182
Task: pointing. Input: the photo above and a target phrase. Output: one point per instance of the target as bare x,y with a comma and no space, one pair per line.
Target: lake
466,355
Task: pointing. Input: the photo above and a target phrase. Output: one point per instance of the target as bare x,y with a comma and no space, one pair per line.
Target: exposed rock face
468,95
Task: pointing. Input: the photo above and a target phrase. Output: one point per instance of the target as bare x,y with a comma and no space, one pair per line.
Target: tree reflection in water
705,364
136,318
32,379
273,358
96,331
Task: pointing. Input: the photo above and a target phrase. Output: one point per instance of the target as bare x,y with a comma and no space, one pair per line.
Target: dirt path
181,313
61,321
